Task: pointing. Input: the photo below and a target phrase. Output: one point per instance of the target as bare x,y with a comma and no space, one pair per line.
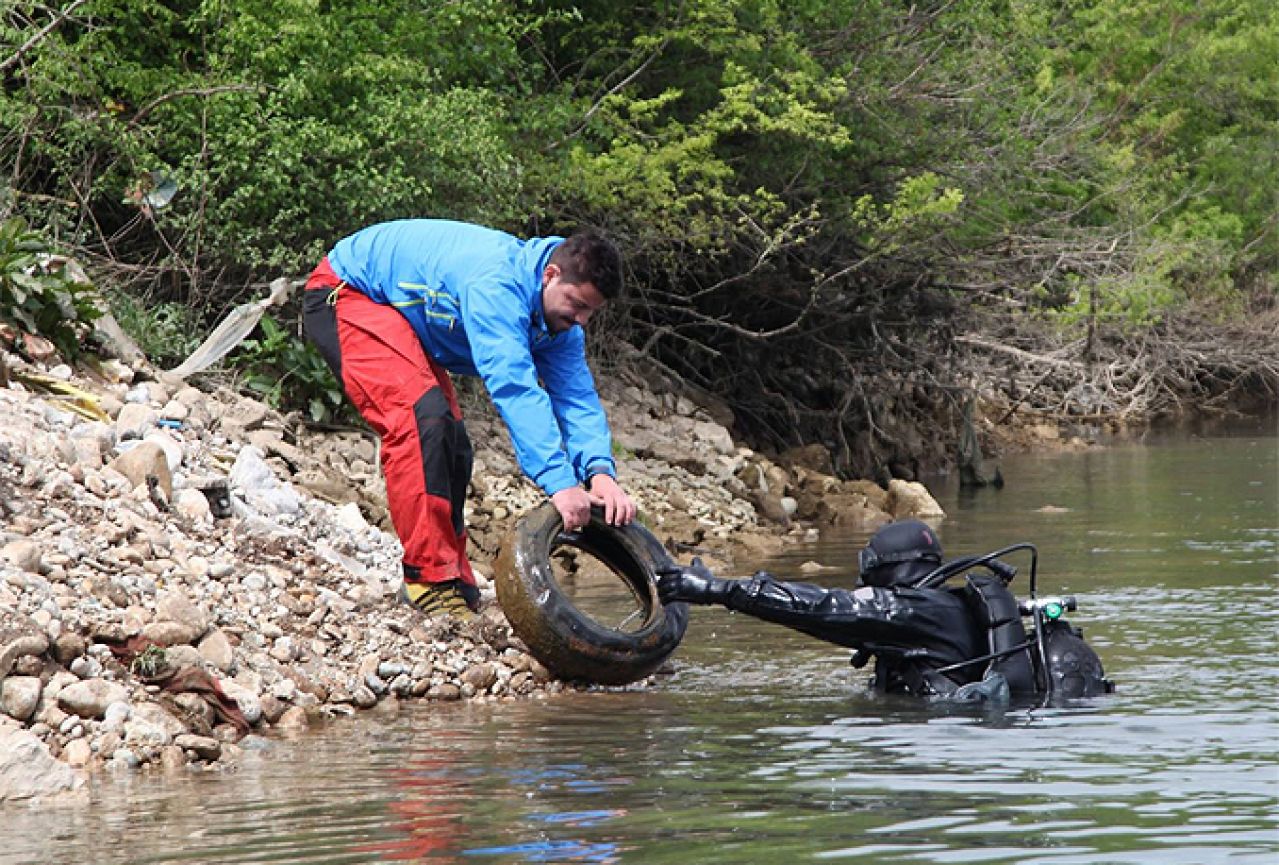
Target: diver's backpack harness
1053,660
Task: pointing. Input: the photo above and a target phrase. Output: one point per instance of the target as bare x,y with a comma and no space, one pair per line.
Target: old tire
569,643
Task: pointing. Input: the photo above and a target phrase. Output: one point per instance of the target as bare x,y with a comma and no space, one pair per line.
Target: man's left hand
619,509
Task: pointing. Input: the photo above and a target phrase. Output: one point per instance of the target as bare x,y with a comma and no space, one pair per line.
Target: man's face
564,303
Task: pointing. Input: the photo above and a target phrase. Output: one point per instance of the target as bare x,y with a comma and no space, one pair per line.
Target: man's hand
692,584
619,510
574,505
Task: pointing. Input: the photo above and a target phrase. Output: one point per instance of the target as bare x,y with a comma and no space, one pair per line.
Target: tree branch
35,40
189,91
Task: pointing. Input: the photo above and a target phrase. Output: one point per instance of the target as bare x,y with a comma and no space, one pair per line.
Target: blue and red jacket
473,296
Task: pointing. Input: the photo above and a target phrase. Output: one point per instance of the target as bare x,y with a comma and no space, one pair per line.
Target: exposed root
1185,365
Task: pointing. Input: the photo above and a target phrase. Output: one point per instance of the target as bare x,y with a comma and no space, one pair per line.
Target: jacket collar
532,261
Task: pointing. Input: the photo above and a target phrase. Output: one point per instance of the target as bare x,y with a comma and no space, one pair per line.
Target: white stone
908,499
19,696
90,698
77,753
115,715
28,770
193,505
23,554
349,517
134,421
216,650
175,409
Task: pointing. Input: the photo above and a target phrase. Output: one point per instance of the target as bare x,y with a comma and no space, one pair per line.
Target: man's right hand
692,584
574,505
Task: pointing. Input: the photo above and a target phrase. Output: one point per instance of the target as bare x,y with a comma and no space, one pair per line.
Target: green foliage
37,293
920,205
166,332
284,125
842,177
288,373
1191,102
149,662
751,131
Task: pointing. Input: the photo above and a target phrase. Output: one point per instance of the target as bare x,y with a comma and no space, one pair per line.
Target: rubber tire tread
570,644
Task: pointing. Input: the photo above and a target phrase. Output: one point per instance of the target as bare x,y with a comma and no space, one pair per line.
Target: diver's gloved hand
692,584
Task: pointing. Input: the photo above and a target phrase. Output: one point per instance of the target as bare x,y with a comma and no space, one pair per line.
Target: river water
759,748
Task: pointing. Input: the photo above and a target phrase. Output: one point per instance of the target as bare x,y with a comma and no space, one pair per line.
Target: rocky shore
186,573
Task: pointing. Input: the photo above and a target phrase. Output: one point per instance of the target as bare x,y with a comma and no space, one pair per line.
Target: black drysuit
912,632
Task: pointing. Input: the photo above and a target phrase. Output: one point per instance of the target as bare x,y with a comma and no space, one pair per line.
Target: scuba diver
931,633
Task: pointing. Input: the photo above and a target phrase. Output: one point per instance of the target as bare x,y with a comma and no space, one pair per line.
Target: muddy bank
185,574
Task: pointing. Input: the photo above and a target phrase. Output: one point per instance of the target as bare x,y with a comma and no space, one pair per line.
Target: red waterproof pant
408,399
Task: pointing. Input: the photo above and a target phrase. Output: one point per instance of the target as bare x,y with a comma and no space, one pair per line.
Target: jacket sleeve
582,422
497,327
856,619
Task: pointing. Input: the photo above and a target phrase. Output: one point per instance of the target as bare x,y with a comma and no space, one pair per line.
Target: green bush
38,294
289,374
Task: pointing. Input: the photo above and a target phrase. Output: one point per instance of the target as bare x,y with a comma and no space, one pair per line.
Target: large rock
19,636
204,747
168,633
176,606
242,416
714,436
28,770
88,452
144,464
252,479
23,554
90,698
151,725
134,421
480,676
216,650
813,457
849,510
911,499
193,504
272,443
19,696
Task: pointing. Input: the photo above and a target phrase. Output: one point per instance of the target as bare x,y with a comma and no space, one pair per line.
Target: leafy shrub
37,293
288,373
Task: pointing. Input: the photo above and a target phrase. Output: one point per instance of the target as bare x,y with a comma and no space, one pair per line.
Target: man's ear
549,274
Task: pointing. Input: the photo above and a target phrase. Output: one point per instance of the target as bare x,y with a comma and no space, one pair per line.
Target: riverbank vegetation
848,221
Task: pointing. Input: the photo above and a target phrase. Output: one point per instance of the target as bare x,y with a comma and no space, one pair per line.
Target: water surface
760,748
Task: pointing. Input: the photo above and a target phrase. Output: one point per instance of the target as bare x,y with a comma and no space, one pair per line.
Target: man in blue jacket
396,307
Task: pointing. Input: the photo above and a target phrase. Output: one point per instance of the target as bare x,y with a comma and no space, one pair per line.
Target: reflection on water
760,748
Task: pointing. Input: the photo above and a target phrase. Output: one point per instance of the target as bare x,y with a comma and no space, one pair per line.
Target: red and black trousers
409,401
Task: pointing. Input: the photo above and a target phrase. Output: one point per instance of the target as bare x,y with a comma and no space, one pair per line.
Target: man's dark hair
589,256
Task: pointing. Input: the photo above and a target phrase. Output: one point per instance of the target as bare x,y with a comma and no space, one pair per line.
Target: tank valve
1052,608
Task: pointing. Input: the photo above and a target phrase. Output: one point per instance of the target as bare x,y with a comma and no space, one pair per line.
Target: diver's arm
846,618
